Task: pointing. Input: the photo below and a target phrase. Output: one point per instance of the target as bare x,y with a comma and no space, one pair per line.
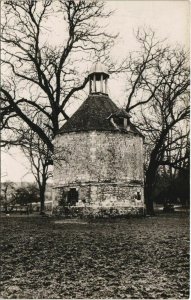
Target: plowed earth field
125,258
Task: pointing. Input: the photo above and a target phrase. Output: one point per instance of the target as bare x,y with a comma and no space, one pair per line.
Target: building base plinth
98,212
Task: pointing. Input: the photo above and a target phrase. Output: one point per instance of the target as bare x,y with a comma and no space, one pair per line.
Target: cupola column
106,86
101,84
90,85
98,79
94,88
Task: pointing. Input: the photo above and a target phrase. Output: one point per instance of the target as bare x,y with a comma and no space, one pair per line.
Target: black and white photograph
95,149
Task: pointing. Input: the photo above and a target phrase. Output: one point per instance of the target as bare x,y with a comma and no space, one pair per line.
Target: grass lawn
126,258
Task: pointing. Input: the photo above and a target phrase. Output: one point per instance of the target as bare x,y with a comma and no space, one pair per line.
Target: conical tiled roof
92,115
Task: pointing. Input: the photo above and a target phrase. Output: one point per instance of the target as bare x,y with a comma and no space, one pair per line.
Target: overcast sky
170,19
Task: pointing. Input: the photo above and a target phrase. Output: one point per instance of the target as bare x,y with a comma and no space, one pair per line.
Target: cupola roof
99,68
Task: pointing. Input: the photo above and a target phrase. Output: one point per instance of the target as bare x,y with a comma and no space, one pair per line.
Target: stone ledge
99,183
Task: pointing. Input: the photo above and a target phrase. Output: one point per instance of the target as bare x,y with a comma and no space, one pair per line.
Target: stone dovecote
99,155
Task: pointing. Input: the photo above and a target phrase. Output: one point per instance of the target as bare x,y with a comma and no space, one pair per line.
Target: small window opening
119,122
138,196
72,196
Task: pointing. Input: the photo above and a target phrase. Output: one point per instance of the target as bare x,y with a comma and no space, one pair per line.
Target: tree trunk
149,184
149,200
42,200
6,209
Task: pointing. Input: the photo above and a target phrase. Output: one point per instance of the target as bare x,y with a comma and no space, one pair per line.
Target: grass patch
127,258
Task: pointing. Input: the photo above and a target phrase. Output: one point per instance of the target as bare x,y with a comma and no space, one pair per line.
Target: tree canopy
158,98
41,77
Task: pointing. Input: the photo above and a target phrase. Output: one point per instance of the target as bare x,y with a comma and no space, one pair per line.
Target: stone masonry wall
106,195
105,168
98,157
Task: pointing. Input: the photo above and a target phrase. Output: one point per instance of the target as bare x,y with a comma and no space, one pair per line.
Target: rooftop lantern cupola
98,77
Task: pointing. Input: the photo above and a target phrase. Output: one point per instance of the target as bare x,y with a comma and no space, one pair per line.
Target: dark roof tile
93,114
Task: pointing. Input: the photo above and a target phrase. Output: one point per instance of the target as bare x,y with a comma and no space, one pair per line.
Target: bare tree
42,77
158,98
39,157
7,196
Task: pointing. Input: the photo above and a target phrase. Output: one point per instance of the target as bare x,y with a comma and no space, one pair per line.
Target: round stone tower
99,155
